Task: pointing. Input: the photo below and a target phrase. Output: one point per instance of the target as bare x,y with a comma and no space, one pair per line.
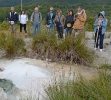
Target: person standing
80,19
13,19
59,23
100,29
50,20
23,18
69,22
36,19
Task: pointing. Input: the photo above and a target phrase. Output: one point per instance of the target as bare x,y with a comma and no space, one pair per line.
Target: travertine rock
3,95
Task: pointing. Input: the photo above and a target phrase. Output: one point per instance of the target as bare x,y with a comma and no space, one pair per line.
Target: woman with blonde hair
59,23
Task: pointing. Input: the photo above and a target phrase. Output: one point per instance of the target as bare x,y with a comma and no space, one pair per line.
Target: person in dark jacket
69,22
50,20
13,19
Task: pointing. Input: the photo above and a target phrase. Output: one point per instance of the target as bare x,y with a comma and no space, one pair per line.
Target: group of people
71,24
58,20
13,18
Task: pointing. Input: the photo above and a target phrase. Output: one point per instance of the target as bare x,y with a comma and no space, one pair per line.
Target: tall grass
11,44
82,89
72,49
4,26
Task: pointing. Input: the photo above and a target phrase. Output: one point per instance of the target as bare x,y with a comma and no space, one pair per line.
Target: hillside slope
7,3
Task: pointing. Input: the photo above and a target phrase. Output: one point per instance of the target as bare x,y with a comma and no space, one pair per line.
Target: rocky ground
100,57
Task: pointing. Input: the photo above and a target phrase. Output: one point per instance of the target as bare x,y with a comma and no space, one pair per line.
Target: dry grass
11,44
97,89
72,49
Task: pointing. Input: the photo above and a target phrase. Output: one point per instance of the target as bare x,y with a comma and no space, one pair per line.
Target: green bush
105,67
4,26
11,44
90,23
71,49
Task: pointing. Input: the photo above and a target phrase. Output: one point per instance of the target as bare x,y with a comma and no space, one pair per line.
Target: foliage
89,23
92,9
11,44
17,2
97,89
72,49
4,26
105,67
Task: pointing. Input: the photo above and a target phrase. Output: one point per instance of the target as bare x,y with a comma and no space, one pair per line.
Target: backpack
34,16
14,13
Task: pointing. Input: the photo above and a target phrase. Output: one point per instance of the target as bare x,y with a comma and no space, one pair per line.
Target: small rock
1,70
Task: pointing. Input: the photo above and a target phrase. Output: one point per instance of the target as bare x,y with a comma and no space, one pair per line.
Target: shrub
4,26
82,89
71,49
105,67
11,44
90,24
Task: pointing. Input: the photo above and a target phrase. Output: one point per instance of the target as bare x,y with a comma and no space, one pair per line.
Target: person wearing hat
13,19
50,20
99,30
